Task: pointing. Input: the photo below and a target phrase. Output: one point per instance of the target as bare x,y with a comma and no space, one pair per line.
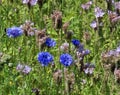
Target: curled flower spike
41,37
64,47
112,15
66,59
45,58
117,74
57,76
69,80
14,32
112,56
41,2
68,35
57,19
50,42
28,28
87,36
65,26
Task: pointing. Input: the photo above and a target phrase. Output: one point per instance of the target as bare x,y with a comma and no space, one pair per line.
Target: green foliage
24,49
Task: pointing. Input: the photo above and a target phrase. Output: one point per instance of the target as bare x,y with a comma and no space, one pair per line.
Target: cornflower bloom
50,42
45,58
14,32
66,59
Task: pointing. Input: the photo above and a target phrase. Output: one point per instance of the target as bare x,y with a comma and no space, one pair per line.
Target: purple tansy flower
66,59
14,32
117,5
64,46
45,58
31,2
75,42
86,52
93,24
98,12
87,5
19,67
118,49
50,42
80,48
89,68
26,69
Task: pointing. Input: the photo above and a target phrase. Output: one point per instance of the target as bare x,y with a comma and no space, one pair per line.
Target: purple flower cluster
23,68
31,2
112,56
81,51
87,5
88,68
98,12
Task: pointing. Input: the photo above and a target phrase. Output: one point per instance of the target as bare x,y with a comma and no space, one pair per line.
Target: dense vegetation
59,47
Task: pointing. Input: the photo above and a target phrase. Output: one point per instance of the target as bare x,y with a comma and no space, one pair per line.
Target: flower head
57,19
28,29
23,68
87,5
64,46
117,5
19,67
86,52
89,68
66,59
98,12
14,32
26,69
45,58
93,24
57,76
76,42
31,2
50,42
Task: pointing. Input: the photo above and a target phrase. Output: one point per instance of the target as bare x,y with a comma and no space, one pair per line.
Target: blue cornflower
75,42
50,42
14,32
45,58
66,59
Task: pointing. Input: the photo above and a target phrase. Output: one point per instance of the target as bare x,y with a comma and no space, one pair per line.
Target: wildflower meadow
59,47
